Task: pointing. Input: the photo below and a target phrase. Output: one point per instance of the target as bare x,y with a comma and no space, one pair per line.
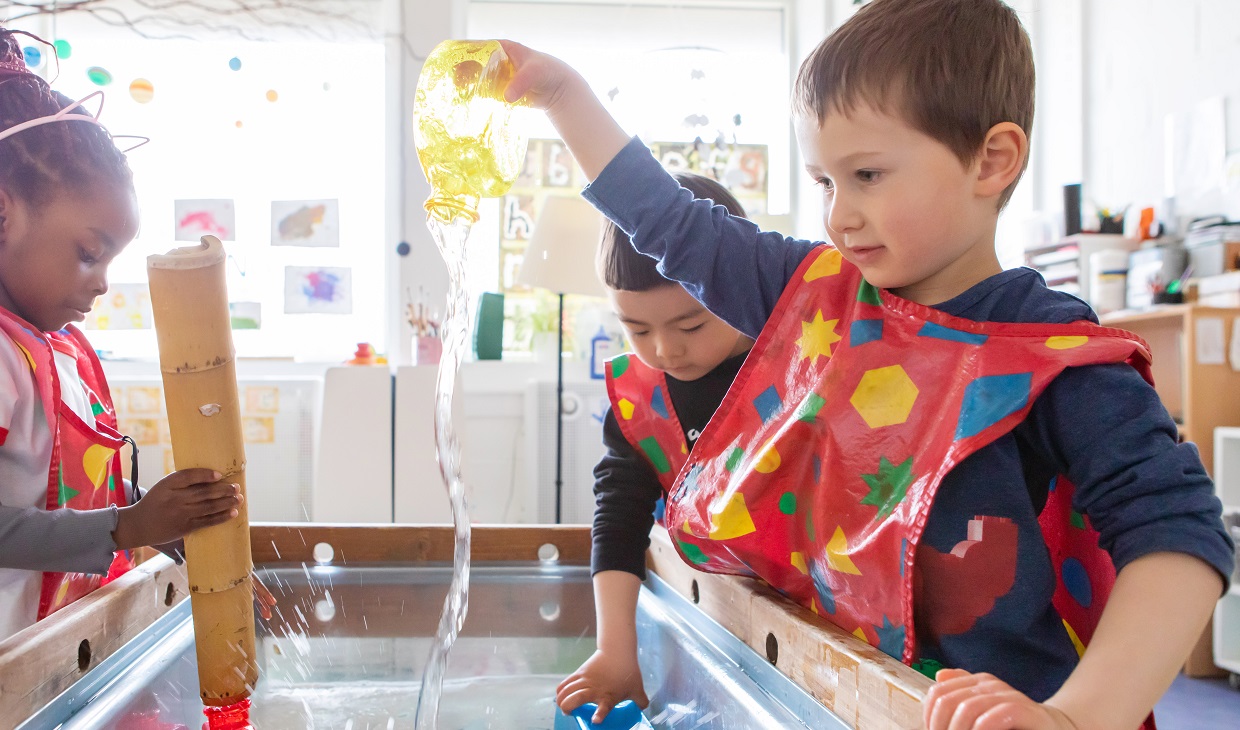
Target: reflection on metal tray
349,644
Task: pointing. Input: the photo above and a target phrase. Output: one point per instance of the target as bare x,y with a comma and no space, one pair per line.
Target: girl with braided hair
67,209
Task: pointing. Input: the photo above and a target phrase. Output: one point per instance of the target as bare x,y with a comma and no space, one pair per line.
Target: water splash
450,237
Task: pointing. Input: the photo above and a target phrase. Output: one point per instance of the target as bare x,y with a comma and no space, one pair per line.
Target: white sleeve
12,366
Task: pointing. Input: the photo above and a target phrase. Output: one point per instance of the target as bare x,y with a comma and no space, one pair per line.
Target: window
252,122
669,74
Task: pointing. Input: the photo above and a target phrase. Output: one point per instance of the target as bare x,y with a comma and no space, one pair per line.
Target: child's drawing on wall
318,290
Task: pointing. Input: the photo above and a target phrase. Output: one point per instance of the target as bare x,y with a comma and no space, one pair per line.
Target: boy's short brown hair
622,268
950,68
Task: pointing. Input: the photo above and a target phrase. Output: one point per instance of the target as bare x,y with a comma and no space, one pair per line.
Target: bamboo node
187,367
233,583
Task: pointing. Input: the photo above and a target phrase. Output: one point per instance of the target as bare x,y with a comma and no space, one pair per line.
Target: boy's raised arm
547,83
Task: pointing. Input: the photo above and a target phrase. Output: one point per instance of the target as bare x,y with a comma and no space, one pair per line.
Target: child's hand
585,125
603,679
960,701
539,79
262,597
179,503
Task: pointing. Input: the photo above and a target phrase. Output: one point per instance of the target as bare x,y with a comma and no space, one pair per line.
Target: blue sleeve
1108,432
726,263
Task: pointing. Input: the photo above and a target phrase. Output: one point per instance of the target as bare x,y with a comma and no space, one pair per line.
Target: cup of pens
1172,293
427,346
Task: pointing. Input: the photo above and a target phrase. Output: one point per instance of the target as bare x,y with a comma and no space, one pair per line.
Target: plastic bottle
600,352
469,144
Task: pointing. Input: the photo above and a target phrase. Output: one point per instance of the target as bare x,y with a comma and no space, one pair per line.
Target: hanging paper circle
142,91
34,57
239,124
63,49
234,63
272,95
99,76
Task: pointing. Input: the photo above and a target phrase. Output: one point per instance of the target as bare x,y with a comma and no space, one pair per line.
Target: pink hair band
61,116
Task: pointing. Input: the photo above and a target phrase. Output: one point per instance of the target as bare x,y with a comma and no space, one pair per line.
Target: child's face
54,257
672,332
900,204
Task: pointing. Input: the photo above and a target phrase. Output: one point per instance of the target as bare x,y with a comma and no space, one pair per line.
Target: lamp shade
560,255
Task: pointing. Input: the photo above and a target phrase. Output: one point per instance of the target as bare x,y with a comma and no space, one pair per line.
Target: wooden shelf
1123,318
1199,396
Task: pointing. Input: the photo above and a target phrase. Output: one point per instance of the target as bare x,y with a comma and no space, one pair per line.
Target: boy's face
672,332
54,258
900,205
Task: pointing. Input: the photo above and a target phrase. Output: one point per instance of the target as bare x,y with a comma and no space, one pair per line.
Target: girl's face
54,257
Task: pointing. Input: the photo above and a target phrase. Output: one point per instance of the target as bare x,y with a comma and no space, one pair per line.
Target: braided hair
37,162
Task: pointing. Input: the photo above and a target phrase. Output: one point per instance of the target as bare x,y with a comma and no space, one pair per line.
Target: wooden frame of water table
860,684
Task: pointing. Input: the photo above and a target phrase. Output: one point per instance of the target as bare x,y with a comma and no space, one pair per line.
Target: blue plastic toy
624,716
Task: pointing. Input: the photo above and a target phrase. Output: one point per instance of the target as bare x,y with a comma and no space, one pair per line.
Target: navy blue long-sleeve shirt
1103,427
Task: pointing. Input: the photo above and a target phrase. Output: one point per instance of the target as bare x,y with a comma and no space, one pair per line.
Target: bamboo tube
189,300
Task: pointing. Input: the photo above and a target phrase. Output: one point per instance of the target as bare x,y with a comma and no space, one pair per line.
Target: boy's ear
1002,158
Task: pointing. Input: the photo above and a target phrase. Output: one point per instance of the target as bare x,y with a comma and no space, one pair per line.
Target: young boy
900,450
686,360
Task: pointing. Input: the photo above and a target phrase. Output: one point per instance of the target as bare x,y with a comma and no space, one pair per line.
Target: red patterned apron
830,509
85,468
643,409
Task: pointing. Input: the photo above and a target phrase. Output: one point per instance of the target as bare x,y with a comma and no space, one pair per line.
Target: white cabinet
1227,613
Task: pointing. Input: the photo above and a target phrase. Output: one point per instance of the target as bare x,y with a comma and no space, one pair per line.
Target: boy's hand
179,503
963,701
603,679
545,82
538,79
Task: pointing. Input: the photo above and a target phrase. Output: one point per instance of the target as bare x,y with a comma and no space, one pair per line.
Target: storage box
1220,290
1214,250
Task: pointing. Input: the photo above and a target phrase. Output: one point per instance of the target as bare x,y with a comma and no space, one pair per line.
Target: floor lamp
560,259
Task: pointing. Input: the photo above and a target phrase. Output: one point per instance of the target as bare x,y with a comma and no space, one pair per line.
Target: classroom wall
1142,60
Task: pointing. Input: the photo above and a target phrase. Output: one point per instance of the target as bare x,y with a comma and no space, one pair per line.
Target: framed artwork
197,218
124,307
318,290
313,223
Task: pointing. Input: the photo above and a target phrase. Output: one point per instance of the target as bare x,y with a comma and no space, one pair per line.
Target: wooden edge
863,686
293,542
41,661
